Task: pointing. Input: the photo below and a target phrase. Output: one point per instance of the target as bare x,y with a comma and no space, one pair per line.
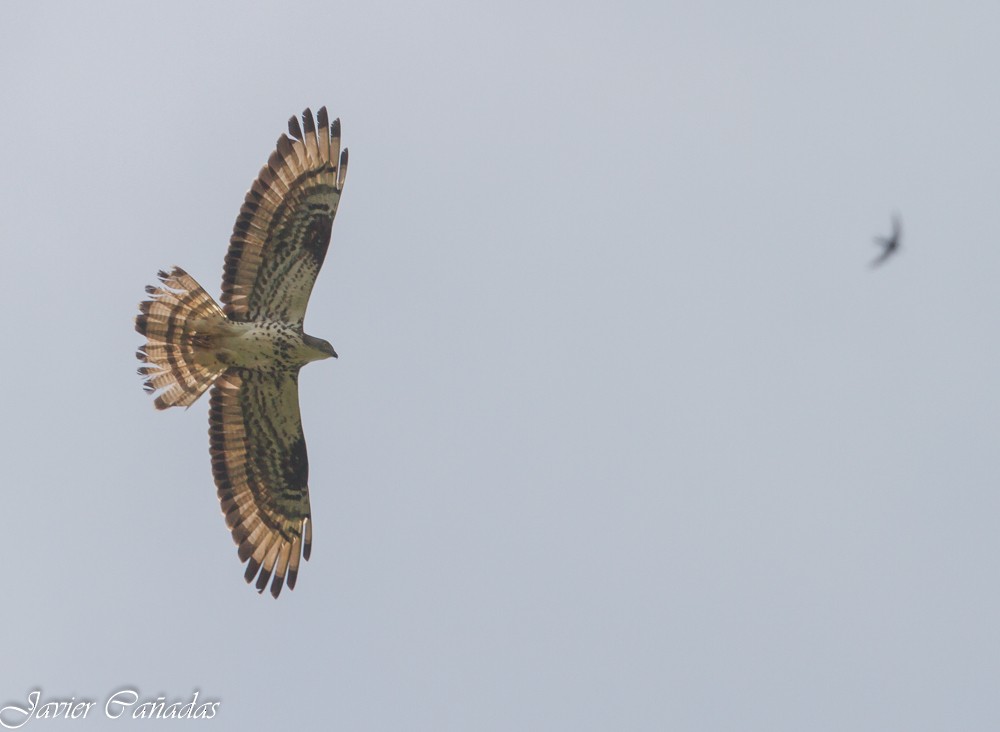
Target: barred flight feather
261,468
282,234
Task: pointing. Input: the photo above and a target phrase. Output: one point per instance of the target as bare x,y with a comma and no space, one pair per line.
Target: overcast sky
625,433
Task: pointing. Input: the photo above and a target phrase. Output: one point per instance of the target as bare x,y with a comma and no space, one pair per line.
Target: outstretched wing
262,471
281,236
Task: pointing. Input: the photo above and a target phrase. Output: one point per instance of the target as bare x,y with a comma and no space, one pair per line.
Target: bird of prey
250,350
890,243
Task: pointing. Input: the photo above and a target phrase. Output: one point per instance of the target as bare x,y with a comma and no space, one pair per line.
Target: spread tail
178,321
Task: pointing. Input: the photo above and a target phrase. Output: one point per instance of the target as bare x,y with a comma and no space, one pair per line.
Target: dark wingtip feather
342,171
263,579
285,146
293,127
252,567
275,161
276,586
244,551
307,540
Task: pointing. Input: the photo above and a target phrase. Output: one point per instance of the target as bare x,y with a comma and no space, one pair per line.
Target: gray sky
624,433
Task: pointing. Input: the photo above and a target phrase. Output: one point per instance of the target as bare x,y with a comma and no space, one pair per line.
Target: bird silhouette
889,244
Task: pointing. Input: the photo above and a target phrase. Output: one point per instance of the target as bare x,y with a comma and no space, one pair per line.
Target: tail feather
177,320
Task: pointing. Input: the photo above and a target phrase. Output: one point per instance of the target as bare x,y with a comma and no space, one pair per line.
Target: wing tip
293,127
307,539
252,567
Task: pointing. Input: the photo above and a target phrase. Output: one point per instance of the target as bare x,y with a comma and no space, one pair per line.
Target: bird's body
249,350
268,345
889,244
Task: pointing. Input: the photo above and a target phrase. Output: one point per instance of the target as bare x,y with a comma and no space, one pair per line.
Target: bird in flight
249,350
889,244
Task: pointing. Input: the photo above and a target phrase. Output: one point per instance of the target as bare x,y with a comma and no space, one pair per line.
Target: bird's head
321,348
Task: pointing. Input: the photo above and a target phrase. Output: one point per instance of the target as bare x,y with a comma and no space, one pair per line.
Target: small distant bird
889,244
